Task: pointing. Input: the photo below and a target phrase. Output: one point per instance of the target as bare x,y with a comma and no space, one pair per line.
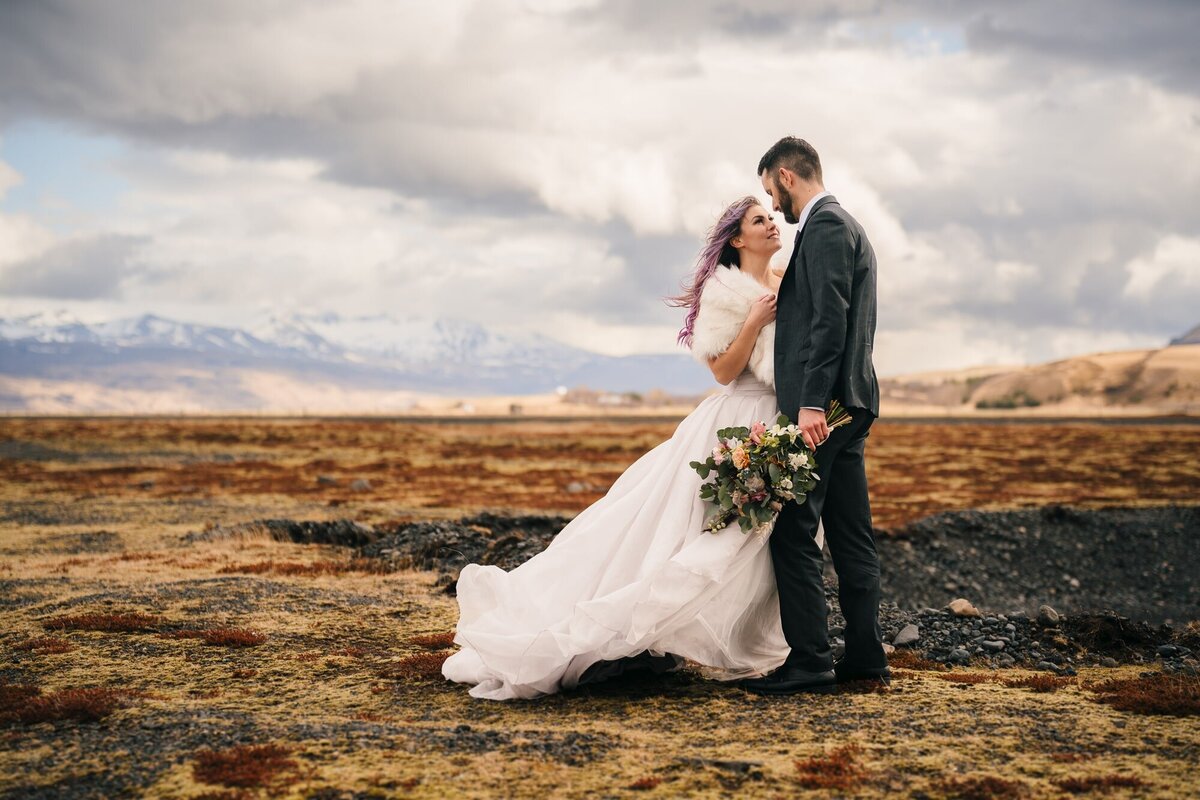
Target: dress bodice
748,384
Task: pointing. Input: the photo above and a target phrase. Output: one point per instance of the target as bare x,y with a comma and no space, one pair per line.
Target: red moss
1040,683
1173,695
242,674
309,570
965,677
423,666
27,704
433,641
225,637
1105,783
1071,758
837,770
44,645
907,659
644,784
133,622
351,652
988,787
244,766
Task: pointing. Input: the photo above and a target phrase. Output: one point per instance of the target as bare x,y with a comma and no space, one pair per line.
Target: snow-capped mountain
381,353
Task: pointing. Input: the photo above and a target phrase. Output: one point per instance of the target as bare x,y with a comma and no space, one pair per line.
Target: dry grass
1103,784
1040,683
965,677
987,787
245,766
132,622
28,705
838,769
1170,695
916,469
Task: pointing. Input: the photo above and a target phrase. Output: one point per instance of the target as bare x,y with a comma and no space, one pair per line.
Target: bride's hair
717,252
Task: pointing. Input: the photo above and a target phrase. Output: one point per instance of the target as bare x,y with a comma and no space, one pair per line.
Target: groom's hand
812,427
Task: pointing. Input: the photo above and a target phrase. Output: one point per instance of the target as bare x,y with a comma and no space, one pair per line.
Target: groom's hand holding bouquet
756,470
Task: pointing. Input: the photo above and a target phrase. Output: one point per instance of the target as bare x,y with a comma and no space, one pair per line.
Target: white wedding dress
633,572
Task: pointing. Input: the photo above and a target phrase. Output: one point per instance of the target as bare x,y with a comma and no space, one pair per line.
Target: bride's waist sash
747,384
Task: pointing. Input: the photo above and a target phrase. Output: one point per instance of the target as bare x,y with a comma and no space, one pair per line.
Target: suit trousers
840,500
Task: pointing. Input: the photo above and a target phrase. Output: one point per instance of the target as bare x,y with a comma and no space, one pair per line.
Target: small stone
888,649
360,485
963,608
1048,616
1046,666
326,480
1167,650
960,656
1108,661
575,487
1005,660
992,645
909,634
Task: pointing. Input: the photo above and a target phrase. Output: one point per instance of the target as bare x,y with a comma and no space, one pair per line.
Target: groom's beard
785,204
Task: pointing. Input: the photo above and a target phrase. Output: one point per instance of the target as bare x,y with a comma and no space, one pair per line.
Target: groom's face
781,197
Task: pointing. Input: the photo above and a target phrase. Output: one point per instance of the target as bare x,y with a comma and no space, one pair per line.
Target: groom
824,331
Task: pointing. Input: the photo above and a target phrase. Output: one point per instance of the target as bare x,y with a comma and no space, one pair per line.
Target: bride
634,580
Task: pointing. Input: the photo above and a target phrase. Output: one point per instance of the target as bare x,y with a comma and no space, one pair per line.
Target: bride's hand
762,312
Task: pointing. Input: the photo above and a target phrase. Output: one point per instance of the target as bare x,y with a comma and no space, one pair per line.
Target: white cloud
529,162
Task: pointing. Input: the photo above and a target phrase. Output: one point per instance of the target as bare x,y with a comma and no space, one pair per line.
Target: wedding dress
634,572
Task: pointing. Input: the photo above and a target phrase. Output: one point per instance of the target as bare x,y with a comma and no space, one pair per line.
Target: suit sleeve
830,247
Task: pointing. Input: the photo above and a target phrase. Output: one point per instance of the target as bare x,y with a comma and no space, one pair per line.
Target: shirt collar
808,210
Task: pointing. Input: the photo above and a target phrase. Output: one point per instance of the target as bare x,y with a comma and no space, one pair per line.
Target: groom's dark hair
795,154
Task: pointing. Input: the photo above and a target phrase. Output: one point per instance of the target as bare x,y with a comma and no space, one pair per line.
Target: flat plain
140,659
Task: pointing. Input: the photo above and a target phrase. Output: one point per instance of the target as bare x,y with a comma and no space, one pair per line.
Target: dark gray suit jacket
825,316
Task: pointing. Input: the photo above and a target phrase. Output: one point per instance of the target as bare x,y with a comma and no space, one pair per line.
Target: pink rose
718,455
756,432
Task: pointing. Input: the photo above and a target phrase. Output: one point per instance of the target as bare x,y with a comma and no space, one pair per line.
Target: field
133,662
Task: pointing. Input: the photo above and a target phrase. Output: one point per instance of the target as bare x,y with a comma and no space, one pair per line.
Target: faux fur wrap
724,305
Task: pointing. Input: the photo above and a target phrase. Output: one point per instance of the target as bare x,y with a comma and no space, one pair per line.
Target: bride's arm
729,364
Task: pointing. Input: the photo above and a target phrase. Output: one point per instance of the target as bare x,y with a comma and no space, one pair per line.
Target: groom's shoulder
831,214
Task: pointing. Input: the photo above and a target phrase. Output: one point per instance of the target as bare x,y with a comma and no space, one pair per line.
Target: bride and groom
634,581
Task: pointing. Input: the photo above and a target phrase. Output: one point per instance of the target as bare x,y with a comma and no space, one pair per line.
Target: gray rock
992,645
1046,666
575,487
326,480
1048,616
1005,660
1108,661
360,485
909,634
959,656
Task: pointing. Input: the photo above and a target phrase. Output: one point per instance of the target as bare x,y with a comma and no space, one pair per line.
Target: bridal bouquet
756,470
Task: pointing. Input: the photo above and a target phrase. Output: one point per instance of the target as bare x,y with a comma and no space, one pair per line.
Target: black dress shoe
791,680
848,672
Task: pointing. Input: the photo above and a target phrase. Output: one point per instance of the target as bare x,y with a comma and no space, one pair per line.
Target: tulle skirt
634,572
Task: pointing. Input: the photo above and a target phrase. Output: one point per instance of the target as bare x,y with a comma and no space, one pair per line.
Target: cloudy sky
1029,173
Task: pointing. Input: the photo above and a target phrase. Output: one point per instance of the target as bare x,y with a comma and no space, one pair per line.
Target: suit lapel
800,233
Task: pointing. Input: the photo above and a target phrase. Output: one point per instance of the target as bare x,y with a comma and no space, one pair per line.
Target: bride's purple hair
717,252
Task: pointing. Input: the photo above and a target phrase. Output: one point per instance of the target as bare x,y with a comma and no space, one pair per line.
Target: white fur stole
724,305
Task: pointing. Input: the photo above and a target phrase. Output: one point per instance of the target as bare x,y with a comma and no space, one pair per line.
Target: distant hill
54,363
1191,337
1163,381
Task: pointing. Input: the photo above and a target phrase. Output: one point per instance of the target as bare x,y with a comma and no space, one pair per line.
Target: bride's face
760,234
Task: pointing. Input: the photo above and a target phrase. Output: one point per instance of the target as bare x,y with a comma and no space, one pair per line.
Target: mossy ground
342,692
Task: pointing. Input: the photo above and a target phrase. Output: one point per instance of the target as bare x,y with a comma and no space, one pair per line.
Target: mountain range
53,362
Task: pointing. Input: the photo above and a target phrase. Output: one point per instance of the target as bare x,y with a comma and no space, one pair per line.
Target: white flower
798,460
786,483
